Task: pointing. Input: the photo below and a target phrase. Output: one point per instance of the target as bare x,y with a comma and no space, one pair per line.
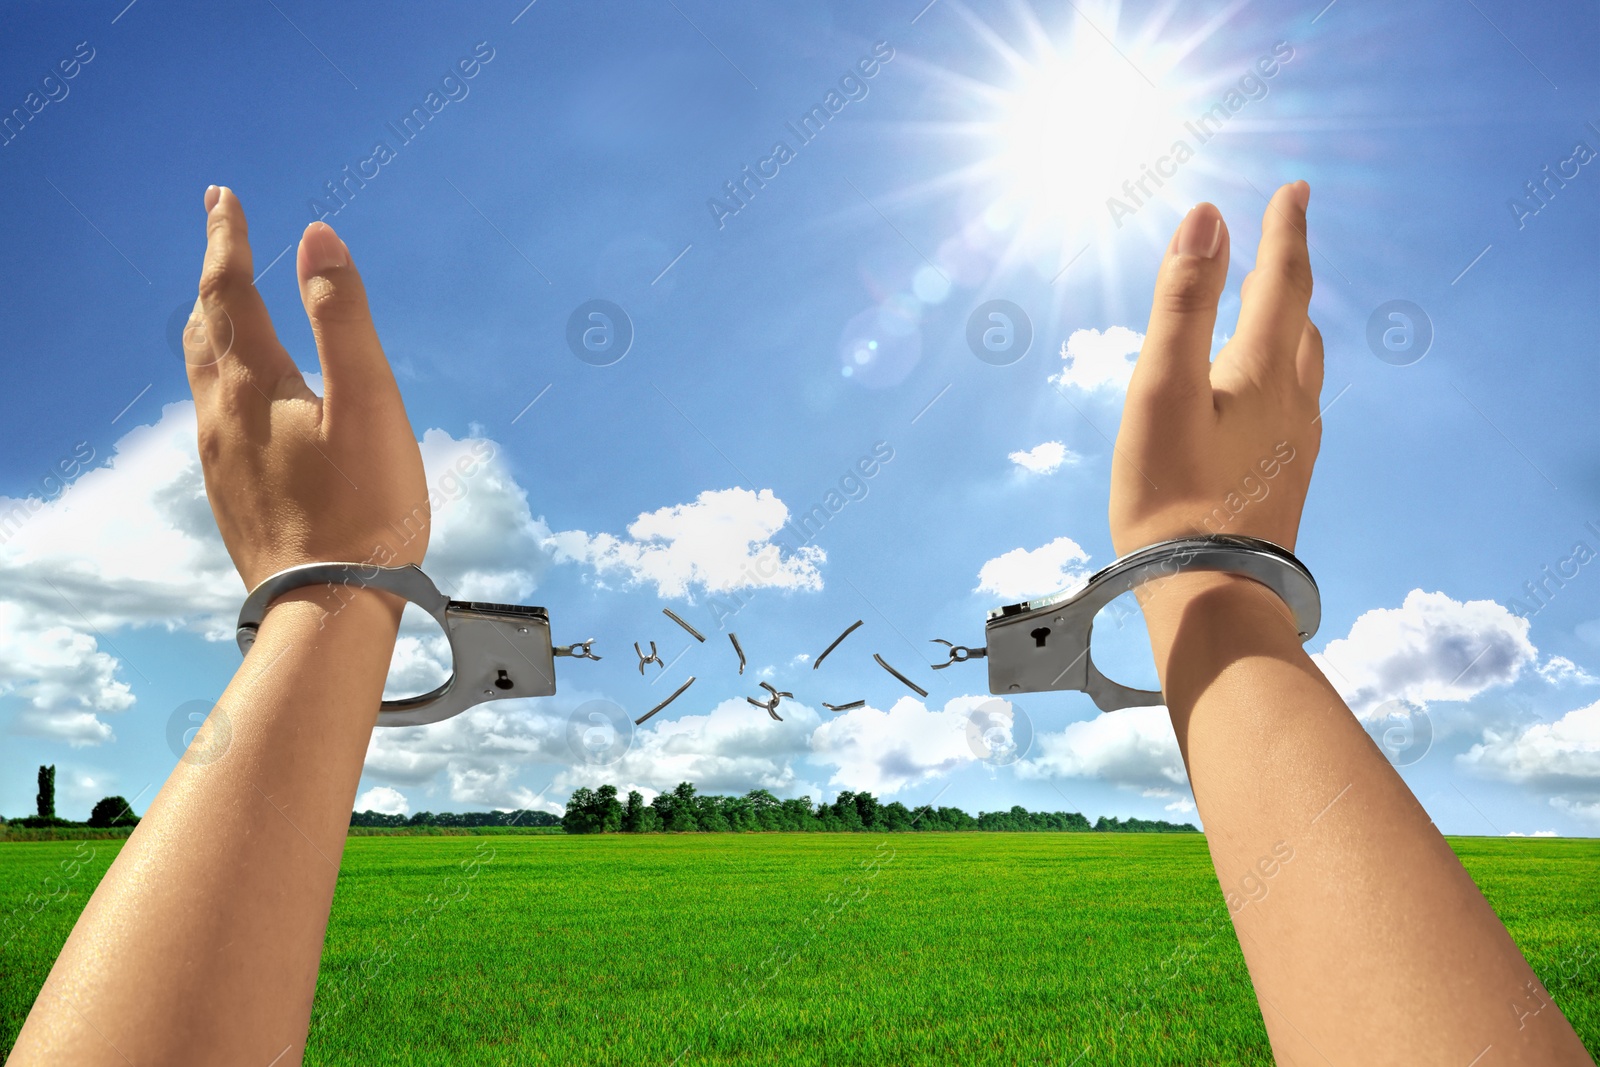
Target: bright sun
1076,126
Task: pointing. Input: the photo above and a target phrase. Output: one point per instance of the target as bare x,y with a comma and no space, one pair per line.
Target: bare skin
201,944
1367,941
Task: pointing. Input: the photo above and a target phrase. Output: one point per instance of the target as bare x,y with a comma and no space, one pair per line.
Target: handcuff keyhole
505,682
1039,635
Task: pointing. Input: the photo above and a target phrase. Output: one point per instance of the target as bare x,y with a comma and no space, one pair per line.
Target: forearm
223,891
1366,939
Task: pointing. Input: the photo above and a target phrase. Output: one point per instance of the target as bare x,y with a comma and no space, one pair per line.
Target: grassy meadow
878,949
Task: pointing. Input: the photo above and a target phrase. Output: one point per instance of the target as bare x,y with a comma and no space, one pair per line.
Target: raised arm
202,942
1367,941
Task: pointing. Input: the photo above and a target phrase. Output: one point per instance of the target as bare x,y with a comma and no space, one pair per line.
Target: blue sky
580,162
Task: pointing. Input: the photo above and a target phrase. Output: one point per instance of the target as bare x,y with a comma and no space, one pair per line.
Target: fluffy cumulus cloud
721,542
385,800
1044,459
1022,573
887,752
131,543
733,748
1430,648
493,754
1560,758
1134,748
1095,360
1559,670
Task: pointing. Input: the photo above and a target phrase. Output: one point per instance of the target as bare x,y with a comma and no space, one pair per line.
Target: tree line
107,811
598,811
451,818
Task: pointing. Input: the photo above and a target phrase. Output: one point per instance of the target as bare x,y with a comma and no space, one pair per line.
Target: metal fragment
676,694
770,706
915,688
668,612
848,631
653,657
735,639
845,707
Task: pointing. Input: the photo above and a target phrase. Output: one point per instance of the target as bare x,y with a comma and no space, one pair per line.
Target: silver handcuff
498,651
1042,645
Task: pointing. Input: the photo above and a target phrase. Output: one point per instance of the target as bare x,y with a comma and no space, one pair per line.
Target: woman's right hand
1223,447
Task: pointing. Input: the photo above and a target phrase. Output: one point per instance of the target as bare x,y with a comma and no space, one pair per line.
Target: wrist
325,606
1196,617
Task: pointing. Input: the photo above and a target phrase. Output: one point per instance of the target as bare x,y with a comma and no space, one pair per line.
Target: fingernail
1200,234
324,250
1302,193
213,194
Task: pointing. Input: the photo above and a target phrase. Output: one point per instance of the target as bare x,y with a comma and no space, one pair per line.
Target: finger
198,363
238,329
1272,312
353,364
1308,361
1177,343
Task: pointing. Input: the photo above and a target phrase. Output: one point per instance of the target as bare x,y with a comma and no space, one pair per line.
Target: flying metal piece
958,653
696,634
845,707
735,639
915,688
676,694
770,705
848,631
653,657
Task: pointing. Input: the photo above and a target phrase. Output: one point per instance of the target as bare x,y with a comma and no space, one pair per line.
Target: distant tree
46,799
896,816
607,810
662,806
867,811
708,815
797,815
633,813
845,812
580,816
765,809
112,811
681,815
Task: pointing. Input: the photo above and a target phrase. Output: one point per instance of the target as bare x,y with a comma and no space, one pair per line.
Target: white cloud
886,752
1560,757
1582,809
721,542
132,543
1559,669
1183,806
383,799
1134,747
1536,833
480,756
1046,458
1095,360
733,748
1021,573
1430,648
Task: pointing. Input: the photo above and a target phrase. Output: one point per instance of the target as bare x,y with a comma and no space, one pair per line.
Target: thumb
352,360
1177,344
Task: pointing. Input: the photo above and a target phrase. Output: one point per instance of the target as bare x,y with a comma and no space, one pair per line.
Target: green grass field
800,949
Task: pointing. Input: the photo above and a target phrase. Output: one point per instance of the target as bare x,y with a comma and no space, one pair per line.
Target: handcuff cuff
1042,645
497,651
503,651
